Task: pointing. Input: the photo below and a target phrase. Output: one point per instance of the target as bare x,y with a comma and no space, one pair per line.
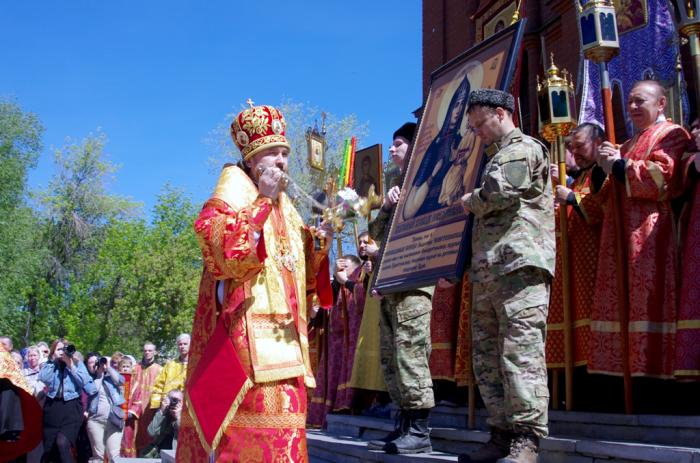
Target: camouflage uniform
405,338
511,269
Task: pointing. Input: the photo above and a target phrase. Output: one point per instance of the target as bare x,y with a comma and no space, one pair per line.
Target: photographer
105,416
65,378
165,425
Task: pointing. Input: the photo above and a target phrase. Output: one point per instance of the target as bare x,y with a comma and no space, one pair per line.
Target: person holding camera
65,378
164,425
105,415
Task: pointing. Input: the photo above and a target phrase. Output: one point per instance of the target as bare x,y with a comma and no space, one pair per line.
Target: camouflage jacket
513,210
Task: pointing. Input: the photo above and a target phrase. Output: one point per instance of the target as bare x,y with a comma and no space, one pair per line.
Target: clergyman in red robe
646,170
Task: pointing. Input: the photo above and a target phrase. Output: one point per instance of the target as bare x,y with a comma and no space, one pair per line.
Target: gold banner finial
516,13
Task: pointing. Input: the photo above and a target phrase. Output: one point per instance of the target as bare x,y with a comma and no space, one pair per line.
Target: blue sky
158,76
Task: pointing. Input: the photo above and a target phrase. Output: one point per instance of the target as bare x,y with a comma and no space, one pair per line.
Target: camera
102,361
174,401
69,350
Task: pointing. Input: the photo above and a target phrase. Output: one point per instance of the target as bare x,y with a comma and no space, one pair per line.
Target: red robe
464,375
444,324
245,395
135,436
688,329
333,392
583,233
652,179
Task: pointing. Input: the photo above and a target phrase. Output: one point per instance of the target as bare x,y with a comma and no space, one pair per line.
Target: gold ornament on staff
343,206
557,107
350,207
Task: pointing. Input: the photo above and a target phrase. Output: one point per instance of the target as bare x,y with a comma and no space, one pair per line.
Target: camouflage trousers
405,348
509,320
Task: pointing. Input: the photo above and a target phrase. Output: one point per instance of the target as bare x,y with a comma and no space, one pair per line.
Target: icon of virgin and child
440,179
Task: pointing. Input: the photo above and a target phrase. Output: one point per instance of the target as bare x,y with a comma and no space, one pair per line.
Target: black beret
406,131
492,99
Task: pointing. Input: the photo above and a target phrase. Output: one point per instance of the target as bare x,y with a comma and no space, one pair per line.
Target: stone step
680,431
348,436
342,449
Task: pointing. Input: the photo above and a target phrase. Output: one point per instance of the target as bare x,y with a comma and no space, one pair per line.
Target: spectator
44,351
165,425
17,357
7,342
135,437
172,376
126,365
116,358
65,379
105,417
31,373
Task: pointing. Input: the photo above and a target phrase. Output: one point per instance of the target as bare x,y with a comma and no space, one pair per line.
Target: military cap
406,131
492,99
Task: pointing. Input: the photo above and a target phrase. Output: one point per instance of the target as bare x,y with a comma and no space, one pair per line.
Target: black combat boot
524,448
416,439
399,429
497,447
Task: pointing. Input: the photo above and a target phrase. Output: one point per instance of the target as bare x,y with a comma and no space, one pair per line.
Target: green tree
163,302
20,254
77,212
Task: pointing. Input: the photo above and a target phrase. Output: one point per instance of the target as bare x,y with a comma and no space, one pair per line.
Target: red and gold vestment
245,395
583,234
135,436
652,179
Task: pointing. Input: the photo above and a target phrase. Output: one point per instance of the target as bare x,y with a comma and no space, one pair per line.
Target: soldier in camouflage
405,337
511,270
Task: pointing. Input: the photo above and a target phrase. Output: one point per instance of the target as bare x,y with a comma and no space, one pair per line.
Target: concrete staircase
576,437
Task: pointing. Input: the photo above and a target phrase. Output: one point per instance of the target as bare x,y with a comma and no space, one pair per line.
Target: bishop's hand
270,182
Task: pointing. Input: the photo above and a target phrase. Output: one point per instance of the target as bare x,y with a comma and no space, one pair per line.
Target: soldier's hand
392,197
561,194
376,294
465,203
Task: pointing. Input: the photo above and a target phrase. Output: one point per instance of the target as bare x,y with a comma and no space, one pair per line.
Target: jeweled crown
257,128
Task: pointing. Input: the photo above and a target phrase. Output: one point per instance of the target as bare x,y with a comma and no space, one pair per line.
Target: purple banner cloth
649,52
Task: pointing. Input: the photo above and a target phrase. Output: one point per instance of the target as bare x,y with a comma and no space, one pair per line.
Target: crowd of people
96,407
277,344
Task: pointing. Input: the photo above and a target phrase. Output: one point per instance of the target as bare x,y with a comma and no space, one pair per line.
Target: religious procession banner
430,235
648,50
